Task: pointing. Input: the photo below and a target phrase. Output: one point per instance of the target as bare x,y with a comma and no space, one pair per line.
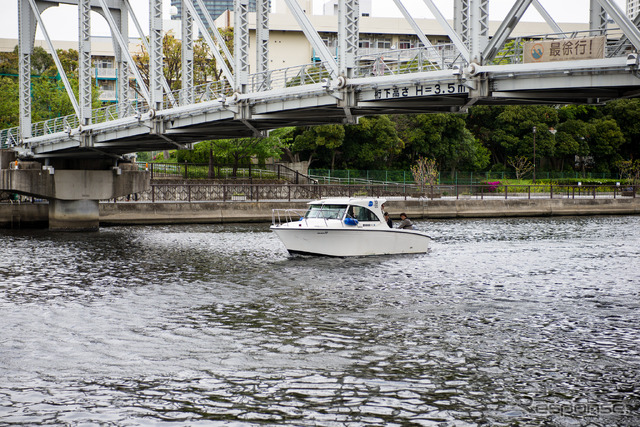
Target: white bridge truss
475,68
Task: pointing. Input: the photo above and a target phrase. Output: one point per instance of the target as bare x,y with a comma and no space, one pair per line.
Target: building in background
215,8
288,46
633,7
331,7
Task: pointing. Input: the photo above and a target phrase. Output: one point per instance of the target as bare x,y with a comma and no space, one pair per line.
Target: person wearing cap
388,219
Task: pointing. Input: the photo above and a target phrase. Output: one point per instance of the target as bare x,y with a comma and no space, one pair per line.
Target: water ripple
508,321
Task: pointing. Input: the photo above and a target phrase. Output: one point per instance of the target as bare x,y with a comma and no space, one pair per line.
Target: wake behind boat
344,227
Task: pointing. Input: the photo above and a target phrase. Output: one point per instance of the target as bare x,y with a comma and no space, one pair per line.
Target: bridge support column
73,215
73,194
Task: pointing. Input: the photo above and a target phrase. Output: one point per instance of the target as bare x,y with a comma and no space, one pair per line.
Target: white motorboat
344,227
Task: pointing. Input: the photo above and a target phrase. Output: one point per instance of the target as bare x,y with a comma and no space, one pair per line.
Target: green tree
605,140
445,138
372,144
580,112
9,104
41,61
315,138
508,130
236,152
482,121
204,63
172,51
9,63
626,112
570,141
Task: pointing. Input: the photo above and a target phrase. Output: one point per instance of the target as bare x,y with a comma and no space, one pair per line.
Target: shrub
490,187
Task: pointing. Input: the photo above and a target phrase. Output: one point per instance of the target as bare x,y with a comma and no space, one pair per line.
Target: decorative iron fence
199,192
354,176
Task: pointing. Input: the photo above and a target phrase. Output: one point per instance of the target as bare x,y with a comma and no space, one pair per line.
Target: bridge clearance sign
564,49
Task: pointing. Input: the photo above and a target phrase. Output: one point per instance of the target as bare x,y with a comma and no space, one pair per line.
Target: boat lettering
322,232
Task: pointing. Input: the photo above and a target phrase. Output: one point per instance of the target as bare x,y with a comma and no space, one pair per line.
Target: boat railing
280,216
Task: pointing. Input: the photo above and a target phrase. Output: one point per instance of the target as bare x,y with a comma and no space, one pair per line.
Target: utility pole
534,154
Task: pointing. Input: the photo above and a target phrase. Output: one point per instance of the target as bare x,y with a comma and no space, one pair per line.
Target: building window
106,84
329,40
404,44
384,44
103,63
364,43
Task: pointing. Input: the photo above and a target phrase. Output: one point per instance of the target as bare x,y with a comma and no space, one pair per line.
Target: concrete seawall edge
145,213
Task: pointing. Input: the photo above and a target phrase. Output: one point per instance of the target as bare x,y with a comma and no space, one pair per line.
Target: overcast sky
61,22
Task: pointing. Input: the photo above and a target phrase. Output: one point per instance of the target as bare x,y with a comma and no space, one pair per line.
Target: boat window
326,211
362,214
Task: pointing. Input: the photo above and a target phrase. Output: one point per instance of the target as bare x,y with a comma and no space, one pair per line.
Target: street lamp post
534,154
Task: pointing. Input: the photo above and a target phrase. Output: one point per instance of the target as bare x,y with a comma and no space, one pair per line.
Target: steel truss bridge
476,68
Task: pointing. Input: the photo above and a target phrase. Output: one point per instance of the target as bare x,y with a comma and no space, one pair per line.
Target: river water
505,322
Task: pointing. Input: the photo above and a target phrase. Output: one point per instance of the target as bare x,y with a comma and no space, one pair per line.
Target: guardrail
199,192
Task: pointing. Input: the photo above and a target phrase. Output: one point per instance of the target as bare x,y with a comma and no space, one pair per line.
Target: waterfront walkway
188,202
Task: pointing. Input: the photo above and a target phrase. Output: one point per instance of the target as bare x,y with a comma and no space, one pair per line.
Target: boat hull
344,242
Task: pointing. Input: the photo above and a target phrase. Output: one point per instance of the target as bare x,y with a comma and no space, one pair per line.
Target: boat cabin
351,211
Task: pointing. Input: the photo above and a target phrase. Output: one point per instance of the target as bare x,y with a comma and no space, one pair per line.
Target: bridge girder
251,108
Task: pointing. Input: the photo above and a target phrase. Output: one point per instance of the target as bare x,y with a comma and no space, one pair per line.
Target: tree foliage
521,165
425,172
443,137
204,64
325,138
630,170
237,152
9,105
49,98
372,144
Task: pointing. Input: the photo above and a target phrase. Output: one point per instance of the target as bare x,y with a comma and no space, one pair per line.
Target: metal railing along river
204,192
225,171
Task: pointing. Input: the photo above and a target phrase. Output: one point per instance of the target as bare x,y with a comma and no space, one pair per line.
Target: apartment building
289,47
633,8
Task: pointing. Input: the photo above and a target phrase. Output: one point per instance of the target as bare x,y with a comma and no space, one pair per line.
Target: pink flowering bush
492,186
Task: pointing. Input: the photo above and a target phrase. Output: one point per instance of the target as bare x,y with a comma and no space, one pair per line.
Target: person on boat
388,219
405,223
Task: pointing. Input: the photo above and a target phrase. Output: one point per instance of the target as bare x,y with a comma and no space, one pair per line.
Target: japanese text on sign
564,50
442,88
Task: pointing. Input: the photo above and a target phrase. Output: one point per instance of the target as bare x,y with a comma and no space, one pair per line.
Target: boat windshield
326,211
361,214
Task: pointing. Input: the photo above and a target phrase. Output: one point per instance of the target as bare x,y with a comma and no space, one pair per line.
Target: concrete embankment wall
36,214
219,212
526,207
24,215
196,212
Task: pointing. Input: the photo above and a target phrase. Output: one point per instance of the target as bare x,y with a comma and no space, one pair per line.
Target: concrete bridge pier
73,187
76,215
